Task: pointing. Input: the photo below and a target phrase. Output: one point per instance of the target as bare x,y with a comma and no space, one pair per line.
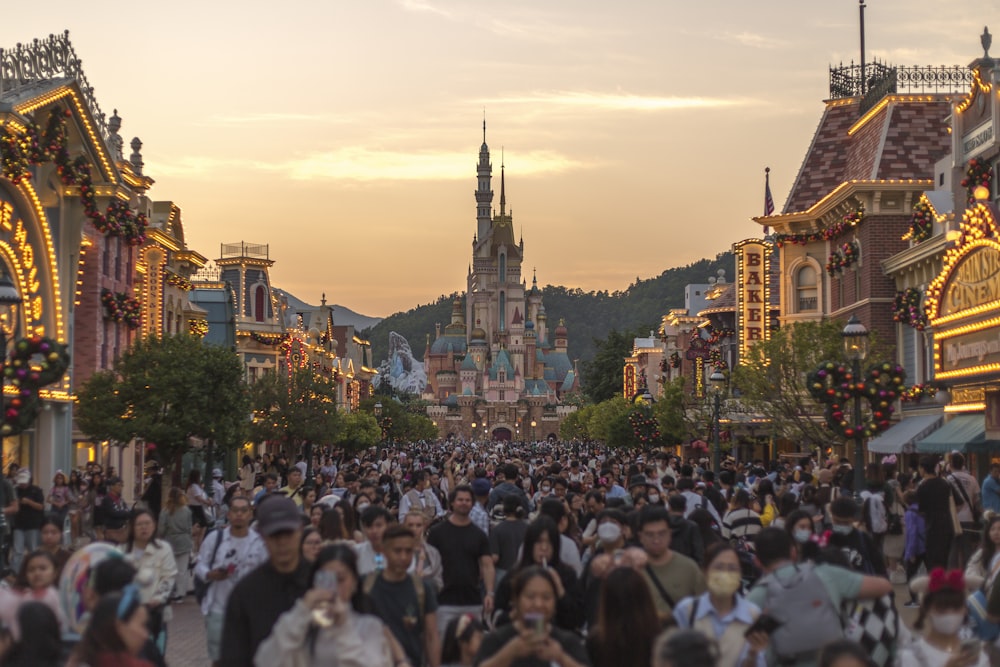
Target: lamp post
718,382
378,418
9,297
533,425
856,348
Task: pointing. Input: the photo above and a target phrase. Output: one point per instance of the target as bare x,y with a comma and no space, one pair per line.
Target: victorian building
497,370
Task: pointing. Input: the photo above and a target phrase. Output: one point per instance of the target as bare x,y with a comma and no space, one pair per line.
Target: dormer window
259,303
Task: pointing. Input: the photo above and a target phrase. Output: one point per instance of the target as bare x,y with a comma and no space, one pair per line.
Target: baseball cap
277,514
637,480
481,487
216,473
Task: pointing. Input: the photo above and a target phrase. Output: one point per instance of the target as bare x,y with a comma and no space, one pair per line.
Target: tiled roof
726,301
915,136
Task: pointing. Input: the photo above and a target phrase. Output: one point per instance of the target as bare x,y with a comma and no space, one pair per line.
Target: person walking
29,517
175,529
465,559
157,573
934,502
670,576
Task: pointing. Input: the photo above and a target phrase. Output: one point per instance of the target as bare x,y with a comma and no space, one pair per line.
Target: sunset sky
345,133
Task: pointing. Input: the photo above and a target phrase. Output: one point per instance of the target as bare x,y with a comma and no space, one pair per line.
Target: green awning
900,437
964,433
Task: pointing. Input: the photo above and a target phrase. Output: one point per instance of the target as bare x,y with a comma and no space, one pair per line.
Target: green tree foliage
590,316
167,391
772,379
608,422
358,431
296,410
602,375
671,411
405,419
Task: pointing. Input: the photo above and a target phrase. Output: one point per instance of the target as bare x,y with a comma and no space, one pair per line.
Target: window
118,258
503,311
258,306
107,258
503,268
806,290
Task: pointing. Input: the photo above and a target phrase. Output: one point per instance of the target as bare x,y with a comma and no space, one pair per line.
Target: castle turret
484,190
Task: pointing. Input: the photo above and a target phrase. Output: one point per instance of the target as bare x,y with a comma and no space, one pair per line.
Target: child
36,581
915,530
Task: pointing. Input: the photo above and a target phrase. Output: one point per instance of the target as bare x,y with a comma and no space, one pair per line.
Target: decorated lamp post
856,348
718,382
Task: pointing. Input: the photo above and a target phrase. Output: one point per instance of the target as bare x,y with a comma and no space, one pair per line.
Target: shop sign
974,281
968,350
977,140
753,267
25,264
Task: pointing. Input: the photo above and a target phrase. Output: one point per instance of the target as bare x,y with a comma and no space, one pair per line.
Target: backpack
418,586
808,617
876,518
201,585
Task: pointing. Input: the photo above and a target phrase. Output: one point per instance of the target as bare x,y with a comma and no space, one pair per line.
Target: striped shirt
741,523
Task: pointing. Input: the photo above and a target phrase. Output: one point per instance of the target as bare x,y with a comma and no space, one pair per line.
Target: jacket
176,530
115,512
156,573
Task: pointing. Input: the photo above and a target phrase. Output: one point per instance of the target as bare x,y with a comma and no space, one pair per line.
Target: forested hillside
588,315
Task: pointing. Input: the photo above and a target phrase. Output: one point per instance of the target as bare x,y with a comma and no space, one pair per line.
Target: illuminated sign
977,140
968,350
699,377
630,388
15,241
973,281
753,268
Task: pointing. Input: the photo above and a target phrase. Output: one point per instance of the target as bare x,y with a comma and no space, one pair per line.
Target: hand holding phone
765,623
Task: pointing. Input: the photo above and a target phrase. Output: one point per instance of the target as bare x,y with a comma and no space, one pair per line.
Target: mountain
342,315
588,315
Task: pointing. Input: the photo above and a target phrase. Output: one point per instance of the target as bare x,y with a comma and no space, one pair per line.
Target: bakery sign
753,266
977,140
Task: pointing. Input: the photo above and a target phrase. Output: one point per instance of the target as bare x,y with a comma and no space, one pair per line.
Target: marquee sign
753,293
963,301
25,257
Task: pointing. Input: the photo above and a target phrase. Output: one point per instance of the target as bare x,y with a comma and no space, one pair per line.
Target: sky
345,133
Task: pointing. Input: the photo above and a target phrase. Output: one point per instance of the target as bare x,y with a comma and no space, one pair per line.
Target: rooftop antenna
864,78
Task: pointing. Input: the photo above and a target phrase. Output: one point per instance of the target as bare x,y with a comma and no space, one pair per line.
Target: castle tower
484,191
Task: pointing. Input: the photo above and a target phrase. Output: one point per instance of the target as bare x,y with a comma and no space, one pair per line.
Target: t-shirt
506,539
396,603
922,654
461,548
28,518
680,577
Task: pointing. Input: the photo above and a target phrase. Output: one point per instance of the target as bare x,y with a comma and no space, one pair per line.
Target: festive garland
833,231
917,392
834,385
675,360
715,358
180,282
198,328
906,308
32,364
843,257
644,427
921,223
977,173
121,308
266,340
718,334
35,147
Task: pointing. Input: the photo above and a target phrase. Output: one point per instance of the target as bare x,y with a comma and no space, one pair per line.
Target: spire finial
986,39
503,193
484,125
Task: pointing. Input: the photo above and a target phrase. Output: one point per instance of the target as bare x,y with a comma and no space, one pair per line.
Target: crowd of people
509,555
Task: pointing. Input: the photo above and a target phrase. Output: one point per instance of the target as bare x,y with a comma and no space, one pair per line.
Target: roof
569,382
446,344
469,364
560,364
502,362
724,303
900,138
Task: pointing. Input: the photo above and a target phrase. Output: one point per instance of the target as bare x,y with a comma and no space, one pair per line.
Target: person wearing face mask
941,618
858,546
722,613
799,524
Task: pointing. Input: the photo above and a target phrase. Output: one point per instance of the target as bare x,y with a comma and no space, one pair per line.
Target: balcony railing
807,303
879,79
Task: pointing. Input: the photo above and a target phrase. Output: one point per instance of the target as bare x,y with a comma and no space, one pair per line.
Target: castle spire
484,192
503,194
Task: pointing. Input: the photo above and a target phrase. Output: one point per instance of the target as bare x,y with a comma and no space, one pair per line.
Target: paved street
186,643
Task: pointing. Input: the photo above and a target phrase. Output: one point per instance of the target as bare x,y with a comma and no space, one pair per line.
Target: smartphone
970,646
536,622
327,580
764,623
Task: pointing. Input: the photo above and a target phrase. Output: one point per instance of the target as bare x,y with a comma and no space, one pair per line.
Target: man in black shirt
408,613
465,559
29,517
933,496
269,591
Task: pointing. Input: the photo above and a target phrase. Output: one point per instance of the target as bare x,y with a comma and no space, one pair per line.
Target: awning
902,436
964,433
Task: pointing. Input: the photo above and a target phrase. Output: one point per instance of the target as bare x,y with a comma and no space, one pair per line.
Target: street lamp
533,425
856,348
718,382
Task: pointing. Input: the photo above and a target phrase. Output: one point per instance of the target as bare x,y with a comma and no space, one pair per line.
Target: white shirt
243,554
922,654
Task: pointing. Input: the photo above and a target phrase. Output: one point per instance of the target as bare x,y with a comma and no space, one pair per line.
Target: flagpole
768,200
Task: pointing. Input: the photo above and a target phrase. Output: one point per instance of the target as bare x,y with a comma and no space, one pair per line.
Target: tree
404,420
772,378
167,391
296,410
358,431
671,411
608,422
602,376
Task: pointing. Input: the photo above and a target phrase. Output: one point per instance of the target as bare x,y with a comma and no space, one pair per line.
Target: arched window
807,294
503,267
258,304
503,311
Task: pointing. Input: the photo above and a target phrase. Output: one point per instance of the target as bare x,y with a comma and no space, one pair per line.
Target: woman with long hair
350,520
328,625
200,504
461,641
310,544
541,548
156,572
248,475
723,574
116,633
42,647
175,529
532,640
51,541
627,624
59,497
985,563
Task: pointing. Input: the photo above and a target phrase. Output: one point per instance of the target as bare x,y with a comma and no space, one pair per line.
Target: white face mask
609,532
947,623
545,489
654,498
839,529
802,535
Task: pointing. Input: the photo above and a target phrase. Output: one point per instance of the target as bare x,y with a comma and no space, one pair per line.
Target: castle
497,370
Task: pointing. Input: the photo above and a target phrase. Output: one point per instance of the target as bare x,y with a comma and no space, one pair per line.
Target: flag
768,199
